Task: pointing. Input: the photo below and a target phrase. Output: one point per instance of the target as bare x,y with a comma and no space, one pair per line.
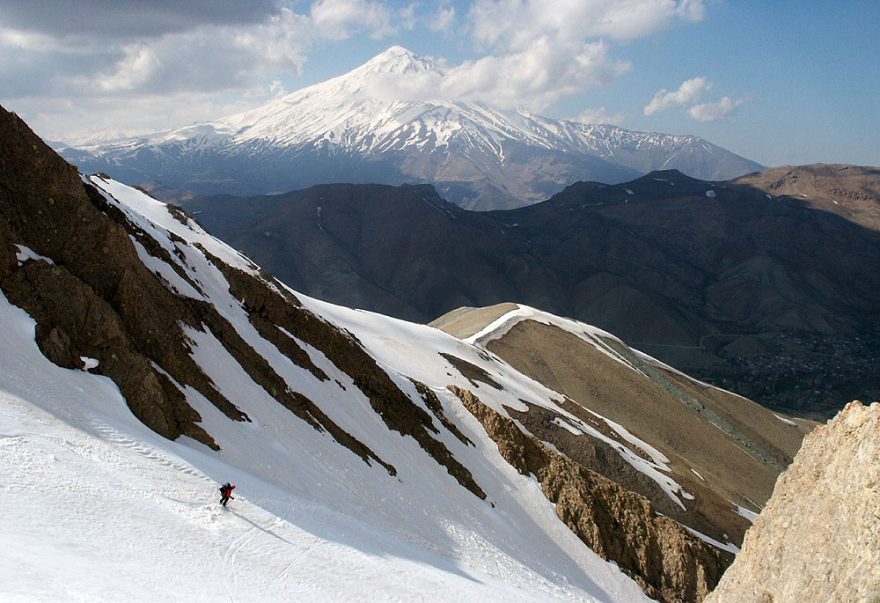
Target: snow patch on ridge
590,334
784,420
724,546
26,254
155,218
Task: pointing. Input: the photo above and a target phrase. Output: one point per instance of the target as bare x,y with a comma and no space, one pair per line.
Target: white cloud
687,95
599,115
443,19
340,19
692,10
540,51
532,53
209,58
407,16
689,92
533,79
77,120
715,111
512,24
75,87
276,88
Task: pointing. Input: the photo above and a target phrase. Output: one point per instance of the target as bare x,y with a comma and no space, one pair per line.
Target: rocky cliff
818,539
668,563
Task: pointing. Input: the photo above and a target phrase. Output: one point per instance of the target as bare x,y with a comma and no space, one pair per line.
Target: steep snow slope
98,507
101,507
389,445
375,124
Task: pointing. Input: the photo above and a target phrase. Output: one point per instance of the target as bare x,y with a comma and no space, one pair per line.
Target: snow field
101,508
97,507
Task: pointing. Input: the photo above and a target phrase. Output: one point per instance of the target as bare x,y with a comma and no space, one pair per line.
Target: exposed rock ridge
598,456
622,526
470,371
818,538
94,297
343,350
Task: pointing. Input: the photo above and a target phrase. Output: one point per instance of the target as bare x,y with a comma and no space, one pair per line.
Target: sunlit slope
723,448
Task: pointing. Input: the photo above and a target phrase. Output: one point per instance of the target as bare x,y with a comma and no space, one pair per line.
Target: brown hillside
850,191
722,448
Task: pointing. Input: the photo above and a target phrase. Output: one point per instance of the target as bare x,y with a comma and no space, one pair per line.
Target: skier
226,493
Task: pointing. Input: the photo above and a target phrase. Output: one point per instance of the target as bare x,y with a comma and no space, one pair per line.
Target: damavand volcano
375,124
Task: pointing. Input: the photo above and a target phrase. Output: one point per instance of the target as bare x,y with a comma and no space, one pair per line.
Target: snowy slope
379,113
97,506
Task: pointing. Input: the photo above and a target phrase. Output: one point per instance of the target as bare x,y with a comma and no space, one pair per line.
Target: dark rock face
96,299
619,525
772,298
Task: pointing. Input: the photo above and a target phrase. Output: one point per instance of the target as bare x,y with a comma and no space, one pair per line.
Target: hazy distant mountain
354,128
764,294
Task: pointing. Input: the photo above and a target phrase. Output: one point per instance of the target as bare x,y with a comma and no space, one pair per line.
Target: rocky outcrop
91,295
818,538
267,307
658,553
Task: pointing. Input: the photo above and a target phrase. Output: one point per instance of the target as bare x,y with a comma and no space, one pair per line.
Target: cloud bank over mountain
171,65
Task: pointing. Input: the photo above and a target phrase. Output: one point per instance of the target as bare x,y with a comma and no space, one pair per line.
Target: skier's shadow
261,528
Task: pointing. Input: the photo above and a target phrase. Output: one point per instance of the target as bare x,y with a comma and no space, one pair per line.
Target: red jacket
227,491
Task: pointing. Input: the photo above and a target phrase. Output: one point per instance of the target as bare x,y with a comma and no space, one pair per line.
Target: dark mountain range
764,294
348,129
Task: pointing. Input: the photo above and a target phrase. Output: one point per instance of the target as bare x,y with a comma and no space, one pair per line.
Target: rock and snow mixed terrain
98,507
368,126
714,446
374,458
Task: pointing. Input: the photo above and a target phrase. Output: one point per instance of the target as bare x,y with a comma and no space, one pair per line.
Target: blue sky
778,82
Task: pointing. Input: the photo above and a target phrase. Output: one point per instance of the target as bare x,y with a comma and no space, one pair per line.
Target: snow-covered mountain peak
391,120
396,59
